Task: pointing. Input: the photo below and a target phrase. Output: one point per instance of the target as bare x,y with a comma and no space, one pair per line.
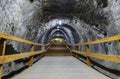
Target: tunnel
74,21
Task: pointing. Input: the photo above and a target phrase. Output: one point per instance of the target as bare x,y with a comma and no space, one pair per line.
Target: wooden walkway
60,67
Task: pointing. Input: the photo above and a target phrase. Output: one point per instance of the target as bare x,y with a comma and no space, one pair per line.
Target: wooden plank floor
60,67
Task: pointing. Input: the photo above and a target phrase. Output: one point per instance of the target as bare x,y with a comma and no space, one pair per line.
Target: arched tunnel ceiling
91,11
67,31
83,20
36,16
91,20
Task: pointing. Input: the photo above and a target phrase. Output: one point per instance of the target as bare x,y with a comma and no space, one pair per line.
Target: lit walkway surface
60,67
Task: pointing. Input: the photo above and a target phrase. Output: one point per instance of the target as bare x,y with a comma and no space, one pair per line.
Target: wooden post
2,52
77,56
77,48
119,43
71,53
31,58
88,53
40,50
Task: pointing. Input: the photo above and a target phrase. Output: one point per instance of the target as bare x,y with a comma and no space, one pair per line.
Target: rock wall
82,21
15,17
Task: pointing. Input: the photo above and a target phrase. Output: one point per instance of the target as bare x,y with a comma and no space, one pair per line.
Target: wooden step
58,48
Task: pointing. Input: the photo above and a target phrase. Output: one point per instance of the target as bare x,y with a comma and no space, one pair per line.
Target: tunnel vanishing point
60,39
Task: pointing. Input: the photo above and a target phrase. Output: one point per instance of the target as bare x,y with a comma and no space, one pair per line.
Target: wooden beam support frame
87,54
108,39
80,53
9,58
13,38
77,47
66,44
2,52
111,58
77,56
14,57
41,55
32,57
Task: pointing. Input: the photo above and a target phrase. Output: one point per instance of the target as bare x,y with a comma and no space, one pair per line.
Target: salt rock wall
26,19
15,17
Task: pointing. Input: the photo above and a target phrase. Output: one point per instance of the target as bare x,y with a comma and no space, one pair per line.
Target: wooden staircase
58,48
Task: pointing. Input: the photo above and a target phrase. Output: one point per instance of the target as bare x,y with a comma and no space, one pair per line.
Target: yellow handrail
66,44
9,58
88,54
13,38
109,39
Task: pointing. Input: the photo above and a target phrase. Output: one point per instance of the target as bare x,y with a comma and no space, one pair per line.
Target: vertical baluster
88,53
2,52
70,50
32,57
41,53
77,56
119,43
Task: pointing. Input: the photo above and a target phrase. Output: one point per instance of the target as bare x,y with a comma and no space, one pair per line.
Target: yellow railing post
77,48
77,56
70,50
2,52
119,43
41,54
87,54
68,47
31,58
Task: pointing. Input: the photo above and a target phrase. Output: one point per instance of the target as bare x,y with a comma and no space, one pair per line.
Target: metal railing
9,58
87,53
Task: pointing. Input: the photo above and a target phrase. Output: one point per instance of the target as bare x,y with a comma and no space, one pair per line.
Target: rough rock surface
40,21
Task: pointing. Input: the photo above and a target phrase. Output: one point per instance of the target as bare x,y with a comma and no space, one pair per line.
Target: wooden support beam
13,38
111,58
2,52
41,55
108,39
80,52
14,57
76,47
66,44
9,58
119,43
32,57
87,54
77,56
